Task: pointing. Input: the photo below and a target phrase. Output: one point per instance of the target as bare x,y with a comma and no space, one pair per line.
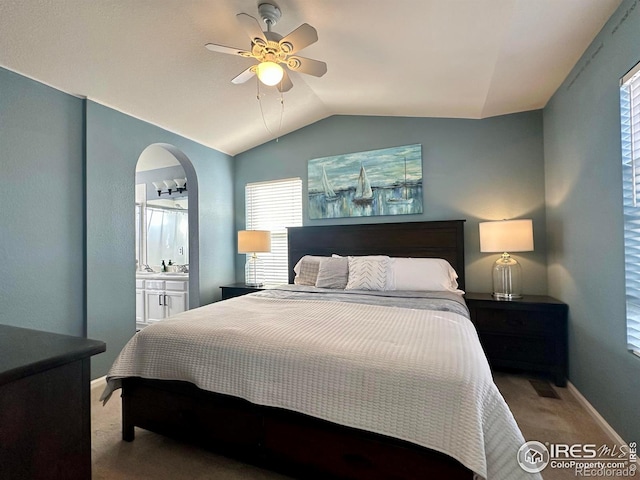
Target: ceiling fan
272,51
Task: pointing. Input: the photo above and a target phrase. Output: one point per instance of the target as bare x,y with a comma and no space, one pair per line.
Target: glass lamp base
507,278
505,296
254,272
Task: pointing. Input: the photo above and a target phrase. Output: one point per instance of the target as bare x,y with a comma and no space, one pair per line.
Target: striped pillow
368,273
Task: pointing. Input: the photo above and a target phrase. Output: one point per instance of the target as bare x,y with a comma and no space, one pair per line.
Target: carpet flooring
152,456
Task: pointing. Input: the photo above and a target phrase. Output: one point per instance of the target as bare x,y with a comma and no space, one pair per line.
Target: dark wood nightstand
527,334
237,289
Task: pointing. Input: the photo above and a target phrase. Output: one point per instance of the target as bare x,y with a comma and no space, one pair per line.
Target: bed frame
443,239
290,442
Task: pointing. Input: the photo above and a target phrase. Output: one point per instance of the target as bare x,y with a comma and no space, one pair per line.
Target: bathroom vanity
160,296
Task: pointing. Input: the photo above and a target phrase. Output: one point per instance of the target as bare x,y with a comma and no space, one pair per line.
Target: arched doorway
167,232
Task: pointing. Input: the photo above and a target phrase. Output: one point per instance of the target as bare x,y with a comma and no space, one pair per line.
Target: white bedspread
411,374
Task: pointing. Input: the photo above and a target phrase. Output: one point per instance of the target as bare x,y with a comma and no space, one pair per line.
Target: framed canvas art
364,184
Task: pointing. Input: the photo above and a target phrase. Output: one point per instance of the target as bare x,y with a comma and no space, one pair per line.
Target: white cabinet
140,310
154,306
162,297
176,298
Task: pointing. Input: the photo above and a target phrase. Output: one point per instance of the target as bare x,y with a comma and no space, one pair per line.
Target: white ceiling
155,156
427,58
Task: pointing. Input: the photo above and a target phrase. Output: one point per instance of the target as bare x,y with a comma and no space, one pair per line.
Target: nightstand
529,334
237,289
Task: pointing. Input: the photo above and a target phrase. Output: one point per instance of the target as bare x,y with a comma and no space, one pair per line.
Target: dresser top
25,352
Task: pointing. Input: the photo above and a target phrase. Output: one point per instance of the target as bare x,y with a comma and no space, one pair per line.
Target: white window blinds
274,206
630,128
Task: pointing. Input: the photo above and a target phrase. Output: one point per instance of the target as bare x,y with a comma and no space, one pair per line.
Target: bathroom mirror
167,226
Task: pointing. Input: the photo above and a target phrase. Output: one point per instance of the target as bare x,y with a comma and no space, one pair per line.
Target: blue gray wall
114,144
585,223
67,213
476,170
41,207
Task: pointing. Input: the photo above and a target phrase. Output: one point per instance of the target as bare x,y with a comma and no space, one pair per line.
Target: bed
307,408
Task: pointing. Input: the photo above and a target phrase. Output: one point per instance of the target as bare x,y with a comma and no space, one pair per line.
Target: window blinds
630,136
274,206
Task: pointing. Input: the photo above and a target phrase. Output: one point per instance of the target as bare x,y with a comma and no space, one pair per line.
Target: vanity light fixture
181,184
170,184
176,185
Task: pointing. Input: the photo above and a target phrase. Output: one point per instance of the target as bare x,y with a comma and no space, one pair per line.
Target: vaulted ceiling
426,58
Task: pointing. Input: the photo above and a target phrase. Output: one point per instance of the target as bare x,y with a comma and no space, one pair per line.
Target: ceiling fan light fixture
269,73
273,52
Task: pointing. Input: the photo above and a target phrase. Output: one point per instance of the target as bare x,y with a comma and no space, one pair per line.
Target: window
274,206
630,127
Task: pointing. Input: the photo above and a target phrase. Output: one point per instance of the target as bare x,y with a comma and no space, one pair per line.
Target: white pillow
424,274
368,273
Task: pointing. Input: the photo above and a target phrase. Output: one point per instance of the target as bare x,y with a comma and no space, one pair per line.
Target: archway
166,160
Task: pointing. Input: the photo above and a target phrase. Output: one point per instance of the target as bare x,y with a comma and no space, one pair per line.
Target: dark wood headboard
441,239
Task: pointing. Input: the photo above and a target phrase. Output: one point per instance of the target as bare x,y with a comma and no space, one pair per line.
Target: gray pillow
333,273
308,271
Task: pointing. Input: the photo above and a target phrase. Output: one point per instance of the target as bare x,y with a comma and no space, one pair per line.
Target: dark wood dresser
45,417
528,334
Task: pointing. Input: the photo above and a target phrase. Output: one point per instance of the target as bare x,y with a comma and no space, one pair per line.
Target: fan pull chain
264,121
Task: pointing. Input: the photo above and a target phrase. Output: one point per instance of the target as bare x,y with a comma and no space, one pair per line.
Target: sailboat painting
362,184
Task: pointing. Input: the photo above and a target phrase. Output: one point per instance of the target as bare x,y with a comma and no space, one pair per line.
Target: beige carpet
152,456
552,420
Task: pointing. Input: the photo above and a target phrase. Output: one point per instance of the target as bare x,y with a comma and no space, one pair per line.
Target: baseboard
99,382
596,416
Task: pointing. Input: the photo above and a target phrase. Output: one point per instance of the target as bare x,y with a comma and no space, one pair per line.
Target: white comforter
411,374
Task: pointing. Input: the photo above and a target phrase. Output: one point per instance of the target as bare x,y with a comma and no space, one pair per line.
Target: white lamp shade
506,236
269,73
254,241
180,182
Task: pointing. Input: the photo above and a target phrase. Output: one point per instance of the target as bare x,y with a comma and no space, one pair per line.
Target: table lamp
506,236
253,242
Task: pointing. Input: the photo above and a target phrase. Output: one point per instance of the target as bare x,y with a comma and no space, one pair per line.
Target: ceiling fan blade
230,50
285,84
307,65
244,76
252,27
301,37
